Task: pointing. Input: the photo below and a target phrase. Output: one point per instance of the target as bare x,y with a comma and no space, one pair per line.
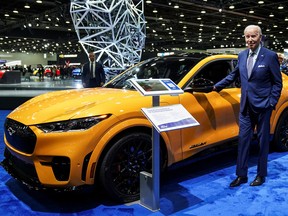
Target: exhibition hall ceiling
28,26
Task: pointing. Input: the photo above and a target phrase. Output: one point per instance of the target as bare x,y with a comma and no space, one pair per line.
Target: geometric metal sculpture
114,30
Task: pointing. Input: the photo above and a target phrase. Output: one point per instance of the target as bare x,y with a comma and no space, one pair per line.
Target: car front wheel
121,166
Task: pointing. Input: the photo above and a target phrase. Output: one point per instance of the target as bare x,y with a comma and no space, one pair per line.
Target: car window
169,67
215,71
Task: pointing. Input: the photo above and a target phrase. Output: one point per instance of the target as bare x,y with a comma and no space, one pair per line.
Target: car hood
78,103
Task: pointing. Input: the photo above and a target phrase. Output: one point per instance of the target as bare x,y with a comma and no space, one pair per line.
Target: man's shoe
238,181
259,180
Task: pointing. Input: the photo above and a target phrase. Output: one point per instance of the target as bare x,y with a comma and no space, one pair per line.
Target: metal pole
156,162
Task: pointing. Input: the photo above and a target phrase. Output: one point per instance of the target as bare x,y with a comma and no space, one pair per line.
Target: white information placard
166,118
153,87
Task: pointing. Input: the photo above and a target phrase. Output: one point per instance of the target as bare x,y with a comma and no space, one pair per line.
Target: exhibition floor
191,188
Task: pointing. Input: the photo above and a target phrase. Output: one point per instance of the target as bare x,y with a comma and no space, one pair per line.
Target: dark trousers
247,122
93,82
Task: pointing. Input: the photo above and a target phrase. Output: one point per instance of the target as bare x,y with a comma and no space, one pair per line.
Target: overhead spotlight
39,1
231,7
15,11
155,11
280,7
27,6
176,6
260,2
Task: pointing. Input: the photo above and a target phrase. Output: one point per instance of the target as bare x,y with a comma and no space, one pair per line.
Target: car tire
281,133
121,166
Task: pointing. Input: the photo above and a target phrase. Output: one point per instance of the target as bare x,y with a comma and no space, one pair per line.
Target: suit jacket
263,88
87,75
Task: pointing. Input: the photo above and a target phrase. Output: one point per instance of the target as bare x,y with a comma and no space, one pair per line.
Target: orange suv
99,136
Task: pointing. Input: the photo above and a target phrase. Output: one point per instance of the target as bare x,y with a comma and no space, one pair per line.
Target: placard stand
150,183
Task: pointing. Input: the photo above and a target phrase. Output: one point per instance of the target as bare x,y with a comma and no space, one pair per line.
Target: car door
216,112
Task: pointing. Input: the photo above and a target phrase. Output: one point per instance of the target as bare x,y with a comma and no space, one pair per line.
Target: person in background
283,64
41,72
93,74
53,72
261,85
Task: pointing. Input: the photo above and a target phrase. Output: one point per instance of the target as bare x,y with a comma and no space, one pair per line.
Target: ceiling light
39,1
176,6
271,15
6,15
286,18
155,11
231,7
260,2
181,15
148,1
280,7
251,11
15,11
203,11
27,6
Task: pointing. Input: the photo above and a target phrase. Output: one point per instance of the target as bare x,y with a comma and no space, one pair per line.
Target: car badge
11,131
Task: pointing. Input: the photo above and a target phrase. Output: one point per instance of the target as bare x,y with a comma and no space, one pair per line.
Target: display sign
150,87
166,118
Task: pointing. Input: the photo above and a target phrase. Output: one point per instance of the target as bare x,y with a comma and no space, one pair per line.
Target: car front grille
20,170
19,136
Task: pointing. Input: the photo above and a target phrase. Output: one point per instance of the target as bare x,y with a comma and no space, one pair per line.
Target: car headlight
71,125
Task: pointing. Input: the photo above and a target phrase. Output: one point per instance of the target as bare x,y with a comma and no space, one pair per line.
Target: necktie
91,70
250,64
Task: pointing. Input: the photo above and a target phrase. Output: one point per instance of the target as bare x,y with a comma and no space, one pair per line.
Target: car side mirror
201,85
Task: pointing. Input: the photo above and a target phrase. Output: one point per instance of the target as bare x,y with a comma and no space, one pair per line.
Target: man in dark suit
93,74
261,84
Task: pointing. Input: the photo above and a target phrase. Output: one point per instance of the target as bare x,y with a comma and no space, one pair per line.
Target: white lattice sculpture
113,29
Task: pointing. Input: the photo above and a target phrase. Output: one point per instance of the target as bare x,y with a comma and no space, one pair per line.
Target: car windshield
174,68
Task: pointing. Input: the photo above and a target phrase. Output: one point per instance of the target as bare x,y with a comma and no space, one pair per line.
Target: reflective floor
13,94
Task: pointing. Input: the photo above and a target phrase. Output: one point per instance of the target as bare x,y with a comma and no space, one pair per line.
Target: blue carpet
194,188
